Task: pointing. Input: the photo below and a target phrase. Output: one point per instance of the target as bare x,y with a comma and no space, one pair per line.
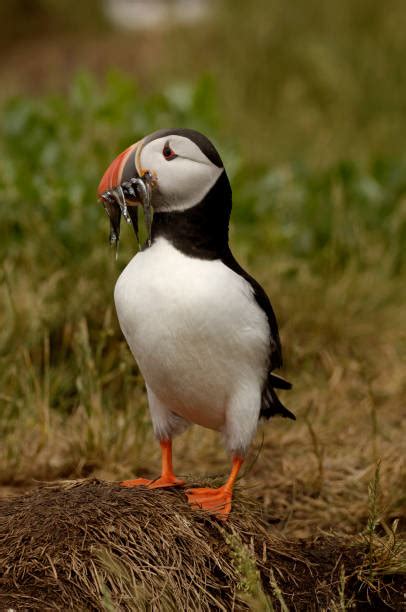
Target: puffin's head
173,169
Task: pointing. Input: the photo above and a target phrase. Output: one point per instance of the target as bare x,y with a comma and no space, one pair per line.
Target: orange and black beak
122,169
124,185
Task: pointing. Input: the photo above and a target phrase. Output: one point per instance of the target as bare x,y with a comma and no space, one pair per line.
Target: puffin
201,329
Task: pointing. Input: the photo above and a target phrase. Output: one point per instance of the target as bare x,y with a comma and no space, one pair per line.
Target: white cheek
182,183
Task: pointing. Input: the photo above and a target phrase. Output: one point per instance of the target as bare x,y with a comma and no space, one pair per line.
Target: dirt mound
96,546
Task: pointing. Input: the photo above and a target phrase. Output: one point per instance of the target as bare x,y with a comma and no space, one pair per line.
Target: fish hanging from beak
123,186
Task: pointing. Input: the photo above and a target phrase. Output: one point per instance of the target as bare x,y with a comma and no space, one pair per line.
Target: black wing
271,405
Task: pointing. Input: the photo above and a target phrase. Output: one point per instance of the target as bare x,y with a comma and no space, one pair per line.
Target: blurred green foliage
55,148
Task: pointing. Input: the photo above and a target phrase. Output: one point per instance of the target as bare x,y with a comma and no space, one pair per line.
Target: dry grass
312,474
93,545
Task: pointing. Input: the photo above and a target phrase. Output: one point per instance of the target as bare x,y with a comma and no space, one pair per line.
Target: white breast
195,330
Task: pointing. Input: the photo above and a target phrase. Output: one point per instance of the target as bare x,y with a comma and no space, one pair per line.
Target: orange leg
216,501
167,478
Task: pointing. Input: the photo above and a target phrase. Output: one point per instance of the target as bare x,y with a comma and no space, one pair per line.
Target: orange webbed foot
159,483
167,478
214,501
136,482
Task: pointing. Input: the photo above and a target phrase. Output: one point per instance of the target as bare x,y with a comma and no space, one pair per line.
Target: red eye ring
168,153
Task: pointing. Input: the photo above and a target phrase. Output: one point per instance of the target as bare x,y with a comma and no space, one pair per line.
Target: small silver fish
116,204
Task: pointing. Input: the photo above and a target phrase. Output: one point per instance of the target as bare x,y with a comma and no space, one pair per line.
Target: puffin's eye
168,153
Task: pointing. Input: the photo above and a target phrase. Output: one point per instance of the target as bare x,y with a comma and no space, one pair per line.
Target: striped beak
124,185
122,169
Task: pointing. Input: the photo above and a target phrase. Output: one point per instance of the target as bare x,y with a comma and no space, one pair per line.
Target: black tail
271,404
278,382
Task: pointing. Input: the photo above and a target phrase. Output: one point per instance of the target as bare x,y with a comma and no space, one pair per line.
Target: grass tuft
93,544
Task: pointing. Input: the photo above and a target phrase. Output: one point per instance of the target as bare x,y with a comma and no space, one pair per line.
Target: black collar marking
200,231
